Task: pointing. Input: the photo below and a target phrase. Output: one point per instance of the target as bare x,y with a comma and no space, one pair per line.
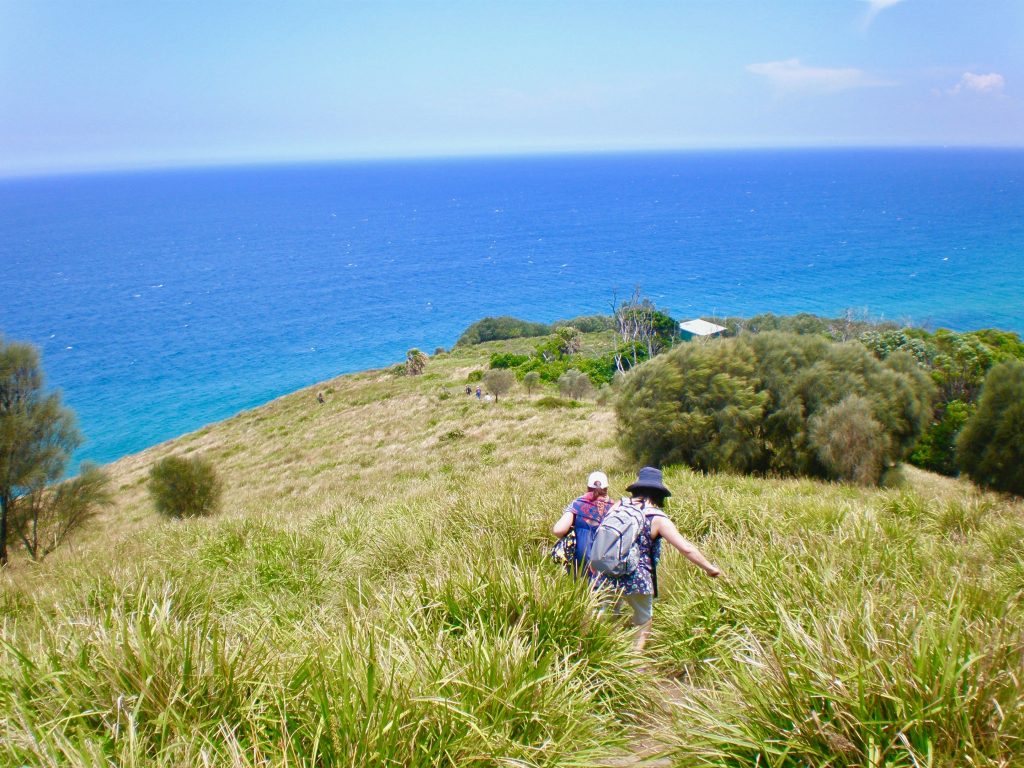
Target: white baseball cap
597,480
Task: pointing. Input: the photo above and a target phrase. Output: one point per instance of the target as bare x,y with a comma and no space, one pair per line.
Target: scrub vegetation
375,591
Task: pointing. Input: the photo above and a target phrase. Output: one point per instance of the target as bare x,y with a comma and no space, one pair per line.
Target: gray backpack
615,550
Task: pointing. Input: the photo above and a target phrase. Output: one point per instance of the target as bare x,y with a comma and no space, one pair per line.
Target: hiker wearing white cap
583,515
636,585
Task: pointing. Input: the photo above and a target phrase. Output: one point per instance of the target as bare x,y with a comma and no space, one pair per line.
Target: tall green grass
376,593
335,643
884,632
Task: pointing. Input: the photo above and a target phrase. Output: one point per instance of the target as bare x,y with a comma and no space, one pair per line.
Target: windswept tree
531,380
643,331
415,362
37,433
45,517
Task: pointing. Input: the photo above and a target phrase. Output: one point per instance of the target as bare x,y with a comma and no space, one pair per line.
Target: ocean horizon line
256,164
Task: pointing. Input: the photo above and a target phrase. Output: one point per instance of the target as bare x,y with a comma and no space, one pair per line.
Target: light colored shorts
641,605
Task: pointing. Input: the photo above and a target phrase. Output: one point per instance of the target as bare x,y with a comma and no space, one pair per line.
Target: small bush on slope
184,487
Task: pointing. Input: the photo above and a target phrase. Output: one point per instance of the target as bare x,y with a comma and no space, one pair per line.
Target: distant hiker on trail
320,397
582,517
477,391
637,586
469,390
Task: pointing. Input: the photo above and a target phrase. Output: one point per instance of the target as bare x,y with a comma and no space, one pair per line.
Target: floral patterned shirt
640,581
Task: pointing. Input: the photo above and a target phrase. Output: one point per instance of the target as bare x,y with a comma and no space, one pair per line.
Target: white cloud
875,7
791,75
990,83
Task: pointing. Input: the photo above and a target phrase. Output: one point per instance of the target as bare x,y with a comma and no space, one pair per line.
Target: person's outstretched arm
662,526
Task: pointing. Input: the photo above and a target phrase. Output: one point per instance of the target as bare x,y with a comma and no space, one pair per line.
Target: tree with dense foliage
37,434
45,517
499,328
990,449
957,363
936,449
696,405
184,487
761,403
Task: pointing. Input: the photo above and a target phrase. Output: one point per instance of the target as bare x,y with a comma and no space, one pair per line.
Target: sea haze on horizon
163,301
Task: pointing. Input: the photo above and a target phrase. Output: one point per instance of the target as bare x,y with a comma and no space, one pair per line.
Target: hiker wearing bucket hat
638,588
582,517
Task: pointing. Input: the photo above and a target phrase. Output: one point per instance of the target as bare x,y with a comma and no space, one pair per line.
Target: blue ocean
163,301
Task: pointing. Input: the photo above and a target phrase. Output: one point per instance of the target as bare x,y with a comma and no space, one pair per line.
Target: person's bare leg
643,631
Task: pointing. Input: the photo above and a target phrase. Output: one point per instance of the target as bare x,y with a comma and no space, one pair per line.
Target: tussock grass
375,592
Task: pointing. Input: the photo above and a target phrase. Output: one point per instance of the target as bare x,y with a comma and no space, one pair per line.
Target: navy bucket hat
649,478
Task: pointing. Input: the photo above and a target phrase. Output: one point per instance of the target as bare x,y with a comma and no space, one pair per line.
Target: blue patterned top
640,581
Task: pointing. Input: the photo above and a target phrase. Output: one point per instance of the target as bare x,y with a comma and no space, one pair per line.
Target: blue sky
86,84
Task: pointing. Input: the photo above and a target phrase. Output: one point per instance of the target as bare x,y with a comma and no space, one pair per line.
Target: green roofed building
699,329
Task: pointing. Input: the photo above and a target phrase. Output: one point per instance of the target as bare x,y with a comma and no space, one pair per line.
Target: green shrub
507,360
498,328
589,323
548,371
557,402
936,450
849,442
1005,345
990,449
184,487
601,370
475,376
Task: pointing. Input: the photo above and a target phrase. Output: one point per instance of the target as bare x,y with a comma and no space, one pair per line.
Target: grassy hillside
375,592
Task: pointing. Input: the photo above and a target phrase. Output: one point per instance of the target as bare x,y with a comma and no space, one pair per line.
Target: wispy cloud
985,84
875,7
791,75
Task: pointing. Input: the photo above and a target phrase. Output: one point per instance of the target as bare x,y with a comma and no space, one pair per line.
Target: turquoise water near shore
163,301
